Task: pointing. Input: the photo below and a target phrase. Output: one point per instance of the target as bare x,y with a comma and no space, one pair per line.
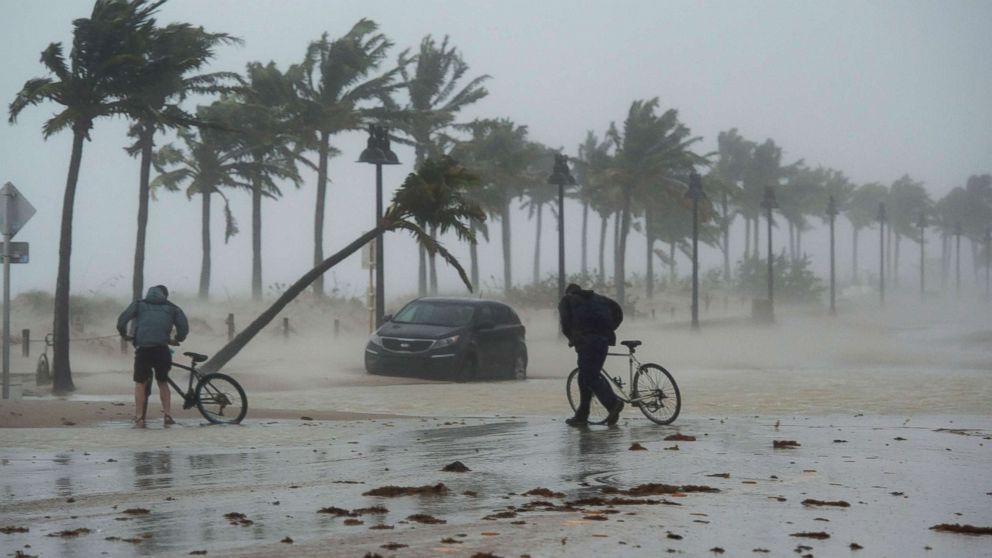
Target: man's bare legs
139,405
165,396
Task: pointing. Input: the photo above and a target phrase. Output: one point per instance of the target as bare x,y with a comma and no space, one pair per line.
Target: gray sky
875,89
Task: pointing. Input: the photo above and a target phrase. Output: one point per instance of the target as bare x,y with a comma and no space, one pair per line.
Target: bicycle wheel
597,413
220,399
656,394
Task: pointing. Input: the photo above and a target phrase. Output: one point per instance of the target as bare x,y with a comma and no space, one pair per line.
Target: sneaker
168,421
614,415
577,421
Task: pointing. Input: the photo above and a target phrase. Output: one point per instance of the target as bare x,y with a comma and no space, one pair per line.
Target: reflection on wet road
898,478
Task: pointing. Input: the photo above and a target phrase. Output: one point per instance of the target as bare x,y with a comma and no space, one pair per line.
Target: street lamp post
922,223
881,253
832,213
561,176
957,260
378,153
769,203
696,193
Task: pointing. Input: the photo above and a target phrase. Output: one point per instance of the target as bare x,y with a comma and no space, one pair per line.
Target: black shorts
147,359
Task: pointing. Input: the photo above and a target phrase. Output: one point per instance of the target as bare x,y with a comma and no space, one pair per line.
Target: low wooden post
25,343
230,326
123,345
285,330
337,327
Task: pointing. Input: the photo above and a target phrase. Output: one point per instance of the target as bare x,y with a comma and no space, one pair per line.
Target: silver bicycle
652,389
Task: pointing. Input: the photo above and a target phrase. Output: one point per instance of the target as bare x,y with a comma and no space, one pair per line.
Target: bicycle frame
618,385
188,396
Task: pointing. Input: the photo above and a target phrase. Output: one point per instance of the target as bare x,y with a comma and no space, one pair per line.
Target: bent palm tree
90,86
433,195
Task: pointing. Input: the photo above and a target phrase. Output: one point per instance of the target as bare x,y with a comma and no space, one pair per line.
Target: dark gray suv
452,339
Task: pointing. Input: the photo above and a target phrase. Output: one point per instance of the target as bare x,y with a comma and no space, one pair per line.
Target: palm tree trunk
649,272
888,254
585,239
799,242
61,369
233,347
433,264
205,243
473,254
756,252
671,263
854,263
318,222
256,241
619,275
507,259
537,245
422,270
603,222
726,239
945,259
747,239
792,242
146,140
895,265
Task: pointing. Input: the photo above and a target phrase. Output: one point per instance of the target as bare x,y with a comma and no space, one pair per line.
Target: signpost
15,211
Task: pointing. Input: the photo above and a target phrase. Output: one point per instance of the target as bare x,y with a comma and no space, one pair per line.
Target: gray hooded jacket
154,317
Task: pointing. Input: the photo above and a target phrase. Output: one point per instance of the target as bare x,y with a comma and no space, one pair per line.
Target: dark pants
592,355
148,359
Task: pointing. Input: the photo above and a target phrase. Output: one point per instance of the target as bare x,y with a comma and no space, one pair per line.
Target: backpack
604,313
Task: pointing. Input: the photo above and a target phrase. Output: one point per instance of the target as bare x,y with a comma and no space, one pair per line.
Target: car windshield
436,313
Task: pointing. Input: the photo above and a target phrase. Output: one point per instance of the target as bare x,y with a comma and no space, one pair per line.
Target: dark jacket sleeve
565,317
126,316
182,324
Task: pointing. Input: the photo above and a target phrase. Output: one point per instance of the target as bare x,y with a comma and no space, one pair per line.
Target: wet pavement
112,491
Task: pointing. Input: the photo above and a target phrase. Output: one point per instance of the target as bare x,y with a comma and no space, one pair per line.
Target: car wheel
519,371
470,368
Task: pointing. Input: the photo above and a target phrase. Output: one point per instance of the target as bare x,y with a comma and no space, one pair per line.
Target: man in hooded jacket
154,318
585,330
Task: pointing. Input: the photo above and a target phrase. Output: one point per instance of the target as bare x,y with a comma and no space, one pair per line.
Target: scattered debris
456,467
720,475
136,511
717,550
761,550
899,439
673,448
964,529
471,493
636,446
393,491
381,526
785,444
840,441
71,533
235,518
12,529
596,501
811,535
659,488
855,546
306,418
425,518
450,540
353,521
394,546
485,555
500,515
547,493
679,437
595,517
197,552
673,536
837,503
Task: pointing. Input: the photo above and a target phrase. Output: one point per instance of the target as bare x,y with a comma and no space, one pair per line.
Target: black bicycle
218,397
653,390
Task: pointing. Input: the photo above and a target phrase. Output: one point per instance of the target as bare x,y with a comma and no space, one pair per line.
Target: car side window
486,315
504,316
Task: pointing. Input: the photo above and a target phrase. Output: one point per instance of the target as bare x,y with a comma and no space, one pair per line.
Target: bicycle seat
631,344
197,357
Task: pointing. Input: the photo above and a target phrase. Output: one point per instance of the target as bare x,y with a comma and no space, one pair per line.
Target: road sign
15,210
18,252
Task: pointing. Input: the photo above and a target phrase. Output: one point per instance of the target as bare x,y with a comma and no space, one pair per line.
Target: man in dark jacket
583,324
154,317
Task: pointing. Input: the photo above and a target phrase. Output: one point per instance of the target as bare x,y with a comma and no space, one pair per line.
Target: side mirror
486,325
387,317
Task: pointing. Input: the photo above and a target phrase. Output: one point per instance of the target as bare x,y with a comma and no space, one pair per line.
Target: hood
583,293
156,295
417,331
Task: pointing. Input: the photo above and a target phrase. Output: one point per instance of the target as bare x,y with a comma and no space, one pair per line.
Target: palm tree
264,132
170,55
433,195
724,184
90,86
651,148
207,163
499,151
435,98
862,211
590,168
906,200
537,195
334,91
765,169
